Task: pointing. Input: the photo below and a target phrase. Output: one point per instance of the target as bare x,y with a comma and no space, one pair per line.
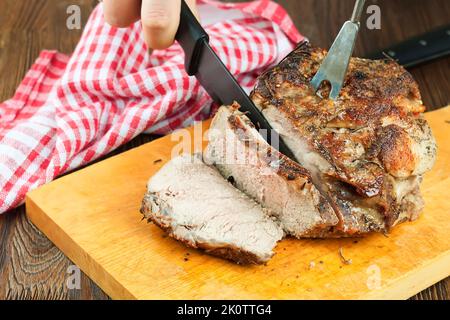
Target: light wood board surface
93,216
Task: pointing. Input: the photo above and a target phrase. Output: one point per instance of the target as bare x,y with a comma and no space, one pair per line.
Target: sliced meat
196,205
359,148
361,160
279,184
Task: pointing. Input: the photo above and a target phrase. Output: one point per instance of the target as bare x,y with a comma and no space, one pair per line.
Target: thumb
160,20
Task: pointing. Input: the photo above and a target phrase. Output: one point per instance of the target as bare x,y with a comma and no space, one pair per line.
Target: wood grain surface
30,266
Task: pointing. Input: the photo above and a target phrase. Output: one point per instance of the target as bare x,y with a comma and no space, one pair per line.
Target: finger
192,4
121,13
160,19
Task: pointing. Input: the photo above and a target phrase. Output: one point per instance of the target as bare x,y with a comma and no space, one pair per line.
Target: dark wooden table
30,265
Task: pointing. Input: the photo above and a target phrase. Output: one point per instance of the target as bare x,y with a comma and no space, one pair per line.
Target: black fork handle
420,49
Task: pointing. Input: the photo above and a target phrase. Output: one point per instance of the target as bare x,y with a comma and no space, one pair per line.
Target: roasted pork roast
367,150
359,163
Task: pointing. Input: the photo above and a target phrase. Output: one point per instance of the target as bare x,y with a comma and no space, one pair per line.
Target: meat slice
361,158
367,150
279,184
196,205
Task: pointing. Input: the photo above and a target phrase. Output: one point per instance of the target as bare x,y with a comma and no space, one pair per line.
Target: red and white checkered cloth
69,111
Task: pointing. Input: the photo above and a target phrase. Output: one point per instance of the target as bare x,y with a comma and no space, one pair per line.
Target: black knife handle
191,36
417,50
194,40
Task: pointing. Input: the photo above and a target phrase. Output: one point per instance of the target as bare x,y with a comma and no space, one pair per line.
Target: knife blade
202,62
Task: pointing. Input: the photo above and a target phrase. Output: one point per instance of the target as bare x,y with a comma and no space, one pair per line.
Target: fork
335,65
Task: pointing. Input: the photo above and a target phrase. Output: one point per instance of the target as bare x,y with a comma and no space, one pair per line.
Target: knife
202,62
420,49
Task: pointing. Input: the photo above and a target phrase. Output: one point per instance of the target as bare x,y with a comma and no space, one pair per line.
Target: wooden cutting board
93,216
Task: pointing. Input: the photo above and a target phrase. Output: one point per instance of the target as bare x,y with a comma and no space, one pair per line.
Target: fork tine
335,89
317,80
335,64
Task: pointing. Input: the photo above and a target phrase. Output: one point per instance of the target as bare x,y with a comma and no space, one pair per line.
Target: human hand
160,18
